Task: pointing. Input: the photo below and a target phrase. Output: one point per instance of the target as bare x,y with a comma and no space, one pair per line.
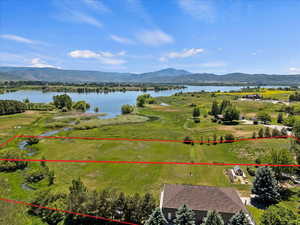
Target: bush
11,166
188,140
197,120
34,176
32,141
251,171
229,137
126,109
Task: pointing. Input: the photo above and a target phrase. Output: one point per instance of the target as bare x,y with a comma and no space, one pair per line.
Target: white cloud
103,57
97,5
183,54
294,70
200,9
154,37
17,38
37,62
121,40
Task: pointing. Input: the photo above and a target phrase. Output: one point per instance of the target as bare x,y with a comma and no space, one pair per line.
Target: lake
109,103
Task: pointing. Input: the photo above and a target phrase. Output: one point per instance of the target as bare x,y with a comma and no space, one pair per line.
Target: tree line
106,203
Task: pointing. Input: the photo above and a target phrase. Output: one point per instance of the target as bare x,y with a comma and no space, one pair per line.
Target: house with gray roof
200,199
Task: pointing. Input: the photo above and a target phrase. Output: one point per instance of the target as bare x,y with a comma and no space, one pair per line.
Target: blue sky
219,36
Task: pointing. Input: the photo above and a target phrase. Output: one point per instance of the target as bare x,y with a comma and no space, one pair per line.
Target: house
200,199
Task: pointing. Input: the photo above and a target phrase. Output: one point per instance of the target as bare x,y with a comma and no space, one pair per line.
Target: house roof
202,198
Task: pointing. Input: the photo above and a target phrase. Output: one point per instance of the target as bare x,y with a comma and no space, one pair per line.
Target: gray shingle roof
202,198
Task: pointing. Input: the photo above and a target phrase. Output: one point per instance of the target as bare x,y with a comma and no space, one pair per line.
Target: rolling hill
168,75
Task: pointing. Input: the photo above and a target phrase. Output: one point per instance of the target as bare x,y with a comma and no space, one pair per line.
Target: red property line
155,140
137,162
64,211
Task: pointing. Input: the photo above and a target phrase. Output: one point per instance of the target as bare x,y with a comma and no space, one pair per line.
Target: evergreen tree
275,133
76,202
224,105
147,206
231,114
119,206
280,118
221,139
156,218
213,218
265,186
202,140
254,134
215,139
267,132
261,133
196,112
214,108
184,216
239,219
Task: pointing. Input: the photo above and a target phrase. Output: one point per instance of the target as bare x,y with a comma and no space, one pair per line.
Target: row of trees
267,132
227,138
11,107
105,203
185,216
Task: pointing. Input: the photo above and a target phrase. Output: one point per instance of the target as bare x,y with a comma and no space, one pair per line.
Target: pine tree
119,207
239,219
184,216
265,186
275,133
267,132
214,108
75,202
221,139
156,218
215,139
261,133
254,135
147,206
280,118
213,218
196,112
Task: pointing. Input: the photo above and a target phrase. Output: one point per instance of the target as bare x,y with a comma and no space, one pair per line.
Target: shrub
229,137
251,171
188,140
126,109
32,141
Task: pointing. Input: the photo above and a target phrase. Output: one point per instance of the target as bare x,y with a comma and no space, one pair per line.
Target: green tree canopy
265,186
156,218
184,216
239,219
62,101
230,114
213,218
279,215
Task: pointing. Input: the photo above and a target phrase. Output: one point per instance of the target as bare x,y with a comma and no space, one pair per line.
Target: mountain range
169,75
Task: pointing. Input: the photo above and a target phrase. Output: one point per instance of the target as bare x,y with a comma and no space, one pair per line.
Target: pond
109,103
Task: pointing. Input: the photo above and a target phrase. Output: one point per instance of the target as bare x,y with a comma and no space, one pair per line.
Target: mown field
171,122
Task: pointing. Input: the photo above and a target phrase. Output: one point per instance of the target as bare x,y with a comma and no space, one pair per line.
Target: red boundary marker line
64,211
9,140
139,162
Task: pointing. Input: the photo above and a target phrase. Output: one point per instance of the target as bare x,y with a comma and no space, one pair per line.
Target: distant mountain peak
168,72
